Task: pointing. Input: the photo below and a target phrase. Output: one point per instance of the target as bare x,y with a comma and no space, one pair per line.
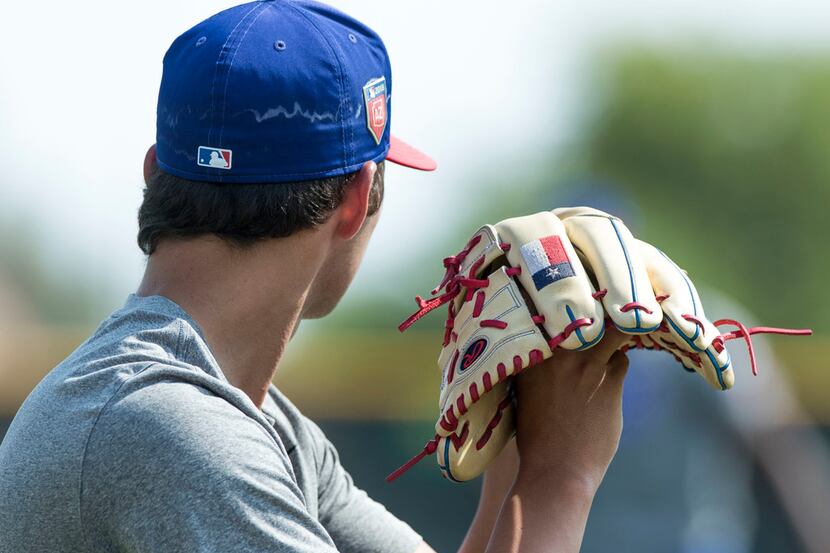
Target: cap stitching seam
216,72
344,96
228,75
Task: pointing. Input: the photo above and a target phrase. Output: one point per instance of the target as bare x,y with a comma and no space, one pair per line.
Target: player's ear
149,162
355,204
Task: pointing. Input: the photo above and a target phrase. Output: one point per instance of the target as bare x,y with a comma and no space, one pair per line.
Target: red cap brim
403,154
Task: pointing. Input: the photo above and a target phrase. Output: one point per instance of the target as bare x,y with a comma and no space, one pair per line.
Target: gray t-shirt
137,442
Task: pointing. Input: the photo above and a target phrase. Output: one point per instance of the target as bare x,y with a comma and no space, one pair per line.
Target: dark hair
241,214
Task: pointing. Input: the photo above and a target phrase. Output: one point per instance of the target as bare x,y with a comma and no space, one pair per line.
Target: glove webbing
453,282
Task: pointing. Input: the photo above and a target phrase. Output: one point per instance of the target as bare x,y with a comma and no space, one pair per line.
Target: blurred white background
479,85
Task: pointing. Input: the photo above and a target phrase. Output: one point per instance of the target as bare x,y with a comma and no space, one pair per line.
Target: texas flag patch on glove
547,261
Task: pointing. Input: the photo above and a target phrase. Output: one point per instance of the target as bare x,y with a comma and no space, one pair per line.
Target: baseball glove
528,285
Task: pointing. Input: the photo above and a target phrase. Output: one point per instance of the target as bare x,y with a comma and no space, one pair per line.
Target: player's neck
247,303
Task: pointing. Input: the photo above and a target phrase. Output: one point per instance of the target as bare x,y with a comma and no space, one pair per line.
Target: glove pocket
494,337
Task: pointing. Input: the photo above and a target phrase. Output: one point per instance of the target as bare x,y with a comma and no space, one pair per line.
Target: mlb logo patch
214,157
374,94
547,261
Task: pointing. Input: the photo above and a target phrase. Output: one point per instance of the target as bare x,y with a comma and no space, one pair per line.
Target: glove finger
554,279
612,255
685,321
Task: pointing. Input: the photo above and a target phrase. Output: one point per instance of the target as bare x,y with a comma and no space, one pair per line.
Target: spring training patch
214,157
547,261
374,94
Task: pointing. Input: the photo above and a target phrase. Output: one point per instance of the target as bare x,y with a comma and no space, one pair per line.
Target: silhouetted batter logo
218,158
472,353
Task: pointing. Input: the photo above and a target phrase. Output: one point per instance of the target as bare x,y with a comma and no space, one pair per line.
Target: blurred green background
718,154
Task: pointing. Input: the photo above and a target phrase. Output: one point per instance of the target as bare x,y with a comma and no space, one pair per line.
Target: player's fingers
612,255
687,331
617,366
610,344
554,279
593,362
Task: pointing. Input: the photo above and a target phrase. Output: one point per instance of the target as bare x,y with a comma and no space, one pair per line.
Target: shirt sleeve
173,468
354,521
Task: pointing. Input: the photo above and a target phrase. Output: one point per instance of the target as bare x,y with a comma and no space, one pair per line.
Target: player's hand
567,432
570,413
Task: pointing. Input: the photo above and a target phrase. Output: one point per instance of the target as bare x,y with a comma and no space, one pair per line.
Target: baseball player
163,431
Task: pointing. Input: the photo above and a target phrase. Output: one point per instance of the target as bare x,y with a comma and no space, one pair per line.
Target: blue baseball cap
277,91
